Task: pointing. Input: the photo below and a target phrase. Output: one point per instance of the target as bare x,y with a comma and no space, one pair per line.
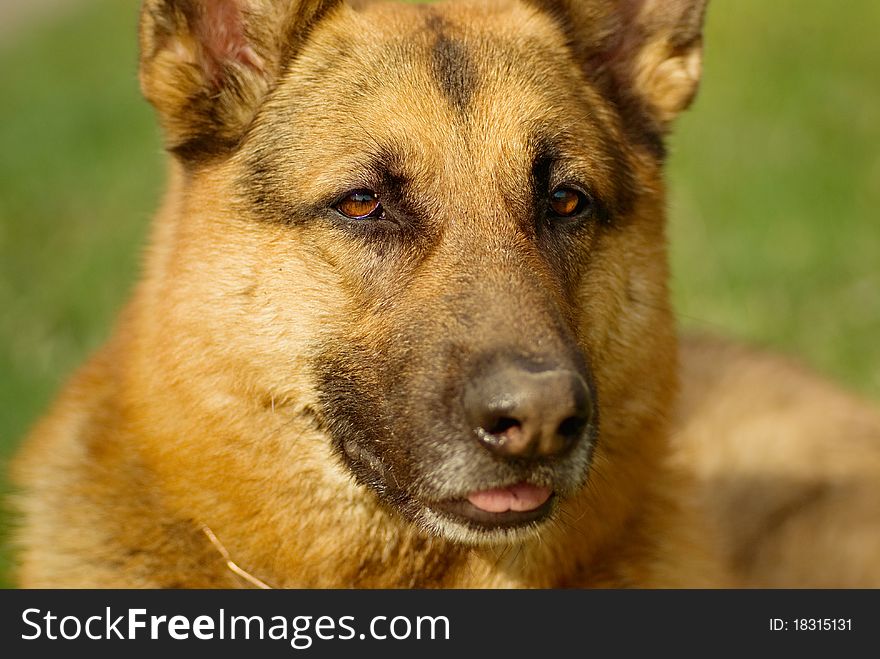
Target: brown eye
568,202
359,205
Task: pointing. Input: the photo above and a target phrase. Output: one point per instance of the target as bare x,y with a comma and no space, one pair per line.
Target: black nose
521,413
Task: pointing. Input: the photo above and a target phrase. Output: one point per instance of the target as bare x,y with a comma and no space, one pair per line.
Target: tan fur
204,408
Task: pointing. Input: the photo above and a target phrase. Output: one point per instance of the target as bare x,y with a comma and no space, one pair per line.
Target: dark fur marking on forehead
453,66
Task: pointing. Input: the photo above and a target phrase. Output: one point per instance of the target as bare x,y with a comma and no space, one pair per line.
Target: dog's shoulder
78,470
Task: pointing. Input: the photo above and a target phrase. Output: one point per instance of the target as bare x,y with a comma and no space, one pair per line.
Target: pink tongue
520,497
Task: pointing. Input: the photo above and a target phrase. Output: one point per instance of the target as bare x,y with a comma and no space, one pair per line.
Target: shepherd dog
404,322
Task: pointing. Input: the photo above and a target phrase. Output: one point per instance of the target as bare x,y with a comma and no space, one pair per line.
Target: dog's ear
645,53
206,64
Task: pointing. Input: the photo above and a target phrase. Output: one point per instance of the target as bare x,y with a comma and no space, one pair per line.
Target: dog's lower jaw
600,536
460,532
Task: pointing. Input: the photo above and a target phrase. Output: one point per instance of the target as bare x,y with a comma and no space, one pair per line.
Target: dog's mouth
505,510
519,505
502,508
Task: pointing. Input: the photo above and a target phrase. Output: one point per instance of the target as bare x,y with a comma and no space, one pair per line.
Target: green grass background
774,177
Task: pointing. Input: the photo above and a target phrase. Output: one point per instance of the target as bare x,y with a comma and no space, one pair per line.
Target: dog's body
348,398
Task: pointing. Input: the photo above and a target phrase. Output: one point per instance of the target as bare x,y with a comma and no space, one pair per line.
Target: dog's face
455,221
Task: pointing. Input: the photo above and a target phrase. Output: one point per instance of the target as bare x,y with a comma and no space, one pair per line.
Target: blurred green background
774,178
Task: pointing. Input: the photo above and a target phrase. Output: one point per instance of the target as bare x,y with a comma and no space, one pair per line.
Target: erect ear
646,53
206,64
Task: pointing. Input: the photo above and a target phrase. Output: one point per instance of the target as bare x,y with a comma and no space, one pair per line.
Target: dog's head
439,227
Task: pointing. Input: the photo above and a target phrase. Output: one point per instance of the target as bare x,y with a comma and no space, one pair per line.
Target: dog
404,322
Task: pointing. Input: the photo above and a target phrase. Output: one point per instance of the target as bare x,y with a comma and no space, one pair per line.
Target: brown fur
270,354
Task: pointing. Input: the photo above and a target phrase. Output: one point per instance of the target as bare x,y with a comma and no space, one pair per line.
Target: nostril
502,425
572,428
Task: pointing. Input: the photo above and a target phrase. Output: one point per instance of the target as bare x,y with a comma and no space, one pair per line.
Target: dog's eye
360,205
567,202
